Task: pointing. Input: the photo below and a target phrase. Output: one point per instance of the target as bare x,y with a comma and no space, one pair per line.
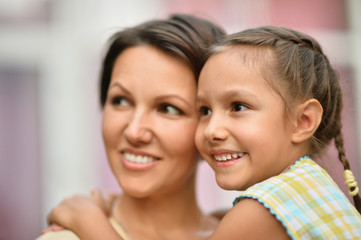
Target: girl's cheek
199,140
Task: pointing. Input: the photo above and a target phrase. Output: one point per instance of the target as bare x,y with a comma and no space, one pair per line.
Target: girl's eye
120,101
237,107
170,109
204,111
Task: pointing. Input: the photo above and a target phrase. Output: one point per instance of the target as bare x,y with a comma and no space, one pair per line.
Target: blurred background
50,54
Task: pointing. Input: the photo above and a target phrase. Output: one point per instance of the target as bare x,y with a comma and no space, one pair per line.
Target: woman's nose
138,129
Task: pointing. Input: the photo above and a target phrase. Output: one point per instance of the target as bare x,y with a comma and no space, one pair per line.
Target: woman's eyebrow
116,84
173,96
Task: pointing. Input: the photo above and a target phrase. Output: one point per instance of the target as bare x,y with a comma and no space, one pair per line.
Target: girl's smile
244,132
227,156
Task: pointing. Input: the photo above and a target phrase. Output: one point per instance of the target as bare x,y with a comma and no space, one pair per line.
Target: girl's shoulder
249,219
306,193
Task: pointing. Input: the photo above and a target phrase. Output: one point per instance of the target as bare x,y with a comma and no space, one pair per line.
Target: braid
307,73
349,178
327,90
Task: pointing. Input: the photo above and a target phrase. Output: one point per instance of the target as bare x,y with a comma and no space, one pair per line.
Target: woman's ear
308,117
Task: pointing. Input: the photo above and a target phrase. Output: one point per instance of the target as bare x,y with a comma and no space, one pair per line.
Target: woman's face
149,122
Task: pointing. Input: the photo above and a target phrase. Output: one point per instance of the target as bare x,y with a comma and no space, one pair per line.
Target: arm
219,214
249,219
86,216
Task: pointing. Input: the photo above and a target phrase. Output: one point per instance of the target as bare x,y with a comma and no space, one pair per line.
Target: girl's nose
215,130
138,129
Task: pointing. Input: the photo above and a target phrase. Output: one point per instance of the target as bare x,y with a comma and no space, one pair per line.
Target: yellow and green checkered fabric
308,203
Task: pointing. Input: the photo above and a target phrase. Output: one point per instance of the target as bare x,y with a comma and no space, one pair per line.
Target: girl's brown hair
306,72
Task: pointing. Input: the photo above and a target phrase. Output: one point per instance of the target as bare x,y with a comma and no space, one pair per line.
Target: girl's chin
226,184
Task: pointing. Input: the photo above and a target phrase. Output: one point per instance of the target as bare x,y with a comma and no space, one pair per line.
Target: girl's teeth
225,157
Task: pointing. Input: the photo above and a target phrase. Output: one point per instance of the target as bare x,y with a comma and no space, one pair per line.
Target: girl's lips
223,164
225,158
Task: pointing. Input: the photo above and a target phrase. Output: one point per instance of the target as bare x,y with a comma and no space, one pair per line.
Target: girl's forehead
260,60
256,59
251,55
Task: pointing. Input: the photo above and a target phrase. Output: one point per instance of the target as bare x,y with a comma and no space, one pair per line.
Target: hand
105,200
73,211
53,228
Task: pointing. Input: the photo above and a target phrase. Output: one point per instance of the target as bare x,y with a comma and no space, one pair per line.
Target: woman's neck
162,216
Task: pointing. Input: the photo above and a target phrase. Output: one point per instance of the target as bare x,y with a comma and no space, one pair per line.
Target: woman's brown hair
183,36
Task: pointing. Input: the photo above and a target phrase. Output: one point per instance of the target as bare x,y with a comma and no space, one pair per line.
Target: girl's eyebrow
233,93
199,99
227,94
116,84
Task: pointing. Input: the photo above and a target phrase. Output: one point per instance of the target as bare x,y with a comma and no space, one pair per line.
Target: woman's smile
149,121
135,161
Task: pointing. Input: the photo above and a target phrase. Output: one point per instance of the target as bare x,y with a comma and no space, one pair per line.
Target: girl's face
243,132
149,122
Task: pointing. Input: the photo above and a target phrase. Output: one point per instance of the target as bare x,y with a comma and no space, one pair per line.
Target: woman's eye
120,101
204,111
237,107
170,109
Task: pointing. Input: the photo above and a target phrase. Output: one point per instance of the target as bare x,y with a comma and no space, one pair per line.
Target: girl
269,99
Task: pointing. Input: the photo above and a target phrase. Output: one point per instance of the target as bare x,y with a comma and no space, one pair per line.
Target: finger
53,228
95,192
109,199
57,216
50,218
99,199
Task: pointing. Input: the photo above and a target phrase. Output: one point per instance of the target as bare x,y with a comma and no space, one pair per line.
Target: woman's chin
138,192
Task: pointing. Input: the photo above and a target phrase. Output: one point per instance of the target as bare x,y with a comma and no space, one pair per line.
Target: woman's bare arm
87,216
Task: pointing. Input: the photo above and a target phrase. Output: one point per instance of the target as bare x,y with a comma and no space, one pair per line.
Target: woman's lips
138,162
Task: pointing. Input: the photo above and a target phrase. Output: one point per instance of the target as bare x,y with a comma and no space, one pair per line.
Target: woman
148,91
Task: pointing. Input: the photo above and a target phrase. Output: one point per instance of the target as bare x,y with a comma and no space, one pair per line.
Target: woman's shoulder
61,235
119,228
69,235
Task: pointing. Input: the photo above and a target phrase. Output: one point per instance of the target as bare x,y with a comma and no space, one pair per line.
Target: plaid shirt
308,203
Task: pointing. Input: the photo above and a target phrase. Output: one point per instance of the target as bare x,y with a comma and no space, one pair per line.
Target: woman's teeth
137,158
228,156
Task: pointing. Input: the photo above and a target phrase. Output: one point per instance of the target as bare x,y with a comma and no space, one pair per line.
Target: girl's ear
308,117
